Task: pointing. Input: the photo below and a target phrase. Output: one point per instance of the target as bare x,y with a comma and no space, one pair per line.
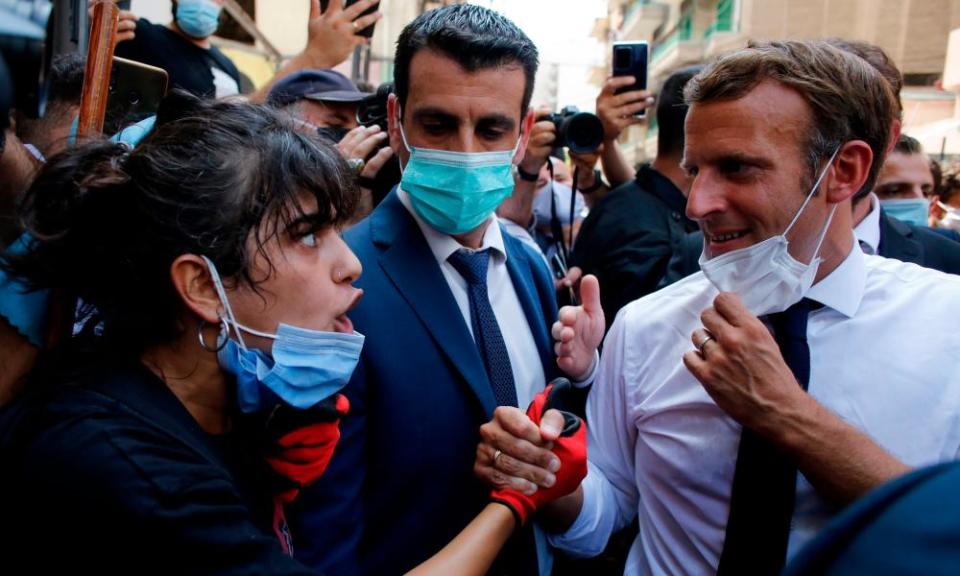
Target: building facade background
915,33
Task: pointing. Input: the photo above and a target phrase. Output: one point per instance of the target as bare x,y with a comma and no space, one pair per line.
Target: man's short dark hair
672,111
473,36
908,145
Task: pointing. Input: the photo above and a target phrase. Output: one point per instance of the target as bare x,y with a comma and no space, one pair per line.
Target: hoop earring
222,336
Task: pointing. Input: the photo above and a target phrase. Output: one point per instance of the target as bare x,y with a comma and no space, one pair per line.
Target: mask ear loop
816,186
222,294
813,190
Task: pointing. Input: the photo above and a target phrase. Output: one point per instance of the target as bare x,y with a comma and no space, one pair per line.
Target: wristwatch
526,176
597,183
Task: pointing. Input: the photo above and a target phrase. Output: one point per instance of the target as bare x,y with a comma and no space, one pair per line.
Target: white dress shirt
883,357
868,230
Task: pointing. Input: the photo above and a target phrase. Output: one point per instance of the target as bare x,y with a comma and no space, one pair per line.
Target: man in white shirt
734,457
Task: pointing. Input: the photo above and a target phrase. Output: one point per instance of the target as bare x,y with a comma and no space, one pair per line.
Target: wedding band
356,164
355,25
703,343
496,456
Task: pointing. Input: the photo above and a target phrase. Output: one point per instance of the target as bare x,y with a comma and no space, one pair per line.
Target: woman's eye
309,240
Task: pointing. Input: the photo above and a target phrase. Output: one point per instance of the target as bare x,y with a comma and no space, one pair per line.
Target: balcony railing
632,10
679,35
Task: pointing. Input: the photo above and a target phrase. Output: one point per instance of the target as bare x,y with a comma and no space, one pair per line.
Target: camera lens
584,133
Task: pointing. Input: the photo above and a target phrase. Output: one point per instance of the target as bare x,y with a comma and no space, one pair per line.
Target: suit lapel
412,268
896,241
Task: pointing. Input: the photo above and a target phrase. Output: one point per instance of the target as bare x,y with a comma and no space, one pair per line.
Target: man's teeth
726,237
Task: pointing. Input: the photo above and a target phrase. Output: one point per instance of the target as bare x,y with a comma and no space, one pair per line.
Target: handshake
534,459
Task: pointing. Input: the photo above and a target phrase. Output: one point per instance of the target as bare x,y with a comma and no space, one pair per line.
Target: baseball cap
314,84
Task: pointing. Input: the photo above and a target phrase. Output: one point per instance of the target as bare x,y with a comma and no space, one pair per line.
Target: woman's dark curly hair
107,222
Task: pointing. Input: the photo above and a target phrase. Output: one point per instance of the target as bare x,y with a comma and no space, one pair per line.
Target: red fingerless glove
301,455
570,448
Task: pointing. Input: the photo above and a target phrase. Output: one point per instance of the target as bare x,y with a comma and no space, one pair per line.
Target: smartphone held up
630,59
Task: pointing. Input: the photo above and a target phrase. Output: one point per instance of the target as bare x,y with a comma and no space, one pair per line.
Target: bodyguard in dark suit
628,238
456,312
910,525
881,234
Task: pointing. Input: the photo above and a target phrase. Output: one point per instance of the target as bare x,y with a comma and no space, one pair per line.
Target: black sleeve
127,498
627,253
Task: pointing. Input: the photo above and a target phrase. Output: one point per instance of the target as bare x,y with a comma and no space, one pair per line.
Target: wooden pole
96,77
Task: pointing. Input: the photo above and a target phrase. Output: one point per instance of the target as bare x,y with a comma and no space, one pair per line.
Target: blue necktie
765,479
486,332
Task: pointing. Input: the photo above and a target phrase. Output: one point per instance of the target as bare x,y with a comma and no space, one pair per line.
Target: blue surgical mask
455,192
304,366
198,18
914,211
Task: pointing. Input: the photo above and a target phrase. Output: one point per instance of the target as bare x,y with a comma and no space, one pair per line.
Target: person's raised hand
126,24
738,362
578,331
616,111
566,435
543,135
332,34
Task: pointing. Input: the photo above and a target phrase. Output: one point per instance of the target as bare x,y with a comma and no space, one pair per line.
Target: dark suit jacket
918,244
629,236
910,525
401,484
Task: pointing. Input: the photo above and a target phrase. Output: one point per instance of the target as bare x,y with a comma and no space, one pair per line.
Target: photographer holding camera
582,134
328,101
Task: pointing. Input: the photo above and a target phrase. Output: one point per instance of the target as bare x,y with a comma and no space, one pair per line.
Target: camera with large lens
373,108
581,132
373,112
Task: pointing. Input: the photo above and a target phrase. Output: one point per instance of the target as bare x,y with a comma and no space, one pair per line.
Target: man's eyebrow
436,115
741,158
497,121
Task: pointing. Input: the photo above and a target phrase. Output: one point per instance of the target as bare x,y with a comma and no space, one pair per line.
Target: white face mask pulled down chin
765,275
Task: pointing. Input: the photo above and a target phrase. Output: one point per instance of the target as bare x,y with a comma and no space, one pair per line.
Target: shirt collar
868,230
650,179
843,288
443,245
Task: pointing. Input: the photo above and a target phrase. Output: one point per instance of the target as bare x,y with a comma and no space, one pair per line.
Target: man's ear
393,128
526,126
192,280
895,128
849,171
936,212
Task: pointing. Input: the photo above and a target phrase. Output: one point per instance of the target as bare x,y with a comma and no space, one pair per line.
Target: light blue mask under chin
913,211
455,192
304,366
198,18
